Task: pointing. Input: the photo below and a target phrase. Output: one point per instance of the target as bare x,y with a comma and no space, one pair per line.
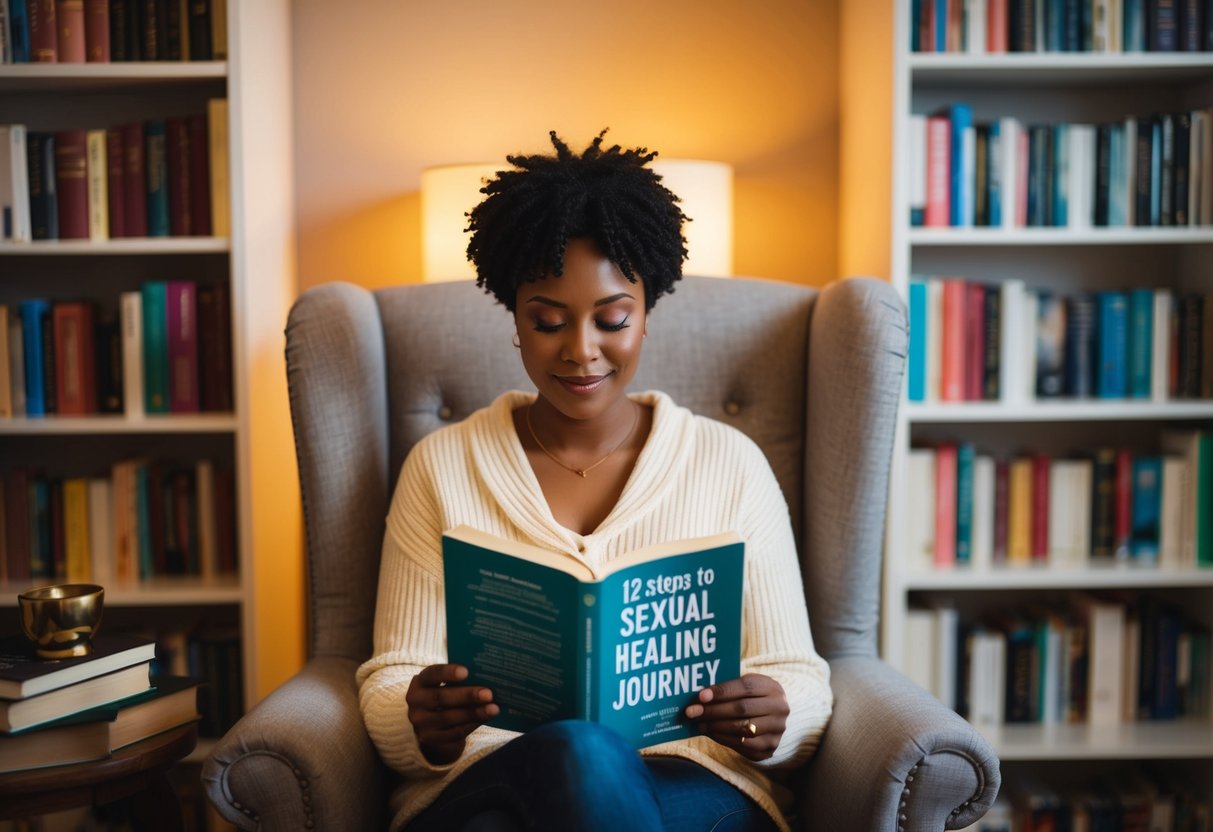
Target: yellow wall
385,88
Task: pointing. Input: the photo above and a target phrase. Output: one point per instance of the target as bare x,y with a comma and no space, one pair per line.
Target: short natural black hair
522,227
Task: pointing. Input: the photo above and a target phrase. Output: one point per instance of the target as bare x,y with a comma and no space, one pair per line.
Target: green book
628,648
155,347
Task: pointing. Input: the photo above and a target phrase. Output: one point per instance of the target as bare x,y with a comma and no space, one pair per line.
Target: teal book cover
628,648
155,347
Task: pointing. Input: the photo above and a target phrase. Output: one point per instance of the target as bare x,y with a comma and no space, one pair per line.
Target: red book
952,344
215,348
115,160
975,342
181,303
69,27
939,164
200,176
97,31
180,200
71,183
996,25
945,504
1124,502
134,180
43,32
1040,508
75,359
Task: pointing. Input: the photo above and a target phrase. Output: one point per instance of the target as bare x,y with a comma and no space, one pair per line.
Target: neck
601,433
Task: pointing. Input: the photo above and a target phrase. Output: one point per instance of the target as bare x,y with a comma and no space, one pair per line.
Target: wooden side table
139,772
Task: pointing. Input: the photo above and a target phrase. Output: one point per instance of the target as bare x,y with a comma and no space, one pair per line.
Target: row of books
163,349
1093,661
157,178
974,341
1129,799
983,26
148,519
1106,506
100,31
85,708
1154,170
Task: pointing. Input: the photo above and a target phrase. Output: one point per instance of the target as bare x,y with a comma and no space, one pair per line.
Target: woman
579,247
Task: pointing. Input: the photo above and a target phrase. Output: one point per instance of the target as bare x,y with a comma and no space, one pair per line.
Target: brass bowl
62,620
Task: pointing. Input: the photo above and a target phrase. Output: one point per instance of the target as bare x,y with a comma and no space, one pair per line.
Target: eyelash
542,327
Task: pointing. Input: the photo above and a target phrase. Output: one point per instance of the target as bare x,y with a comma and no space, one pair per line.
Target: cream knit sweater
694,477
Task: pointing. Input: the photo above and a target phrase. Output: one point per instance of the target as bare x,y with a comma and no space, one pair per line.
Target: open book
628,648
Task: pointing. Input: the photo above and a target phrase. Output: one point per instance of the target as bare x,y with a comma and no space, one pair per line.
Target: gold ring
752,729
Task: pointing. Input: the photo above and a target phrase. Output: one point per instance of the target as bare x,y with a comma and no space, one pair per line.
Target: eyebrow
603,302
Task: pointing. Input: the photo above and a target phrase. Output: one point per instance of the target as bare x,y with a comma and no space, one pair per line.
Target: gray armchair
812,375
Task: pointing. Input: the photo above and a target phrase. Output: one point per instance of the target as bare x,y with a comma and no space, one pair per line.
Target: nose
581,345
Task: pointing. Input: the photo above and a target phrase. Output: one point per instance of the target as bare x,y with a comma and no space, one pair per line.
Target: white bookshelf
255,263
1044,88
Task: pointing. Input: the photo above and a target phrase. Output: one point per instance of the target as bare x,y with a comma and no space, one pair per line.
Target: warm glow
705,188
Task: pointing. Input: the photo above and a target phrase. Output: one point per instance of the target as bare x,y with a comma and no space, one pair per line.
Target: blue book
628,647
1080,347
1112,377
916,371
962,173
1156,172
157,178
1060,215
965,454
18,16
1141,342
994,181
1146,502
941,25
1134,35
35,318
155,347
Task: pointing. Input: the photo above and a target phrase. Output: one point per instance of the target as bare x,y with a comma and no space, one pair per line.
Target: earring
517,342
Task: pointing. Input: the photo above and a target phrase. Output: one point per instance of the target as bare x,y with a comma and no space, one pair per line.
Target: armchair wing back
813,376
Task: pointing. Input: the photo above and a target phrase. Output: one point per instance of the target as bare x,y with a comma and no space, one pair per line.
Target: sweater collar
507,473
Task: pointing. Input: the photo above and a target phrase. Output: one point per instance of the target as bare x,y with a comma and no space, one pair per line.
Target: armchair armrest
301,758
895,758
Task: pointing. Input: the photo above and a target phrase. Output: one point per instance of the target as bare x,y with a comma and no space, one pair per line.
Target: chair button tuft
445,412
732,408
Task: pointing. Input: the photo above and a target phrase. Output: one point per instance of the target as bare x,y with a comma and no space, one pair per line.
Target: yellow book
98,186
1019,512
216,119
219,30
6,382
76,530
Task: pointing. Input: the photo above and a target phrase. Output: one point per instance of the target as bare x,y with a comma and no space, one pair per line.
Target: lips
581,385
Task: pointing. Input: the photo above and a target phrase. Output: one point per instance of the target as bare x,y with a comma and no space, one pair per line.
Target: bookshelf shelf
88,425
140,246
988,237
1156,740
1062,411
1112,576
1080,68
161,592
91,76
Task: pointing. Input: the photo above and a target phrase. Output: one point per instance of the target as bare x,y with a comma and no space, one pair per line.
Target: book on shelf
627,646
94,734
14,184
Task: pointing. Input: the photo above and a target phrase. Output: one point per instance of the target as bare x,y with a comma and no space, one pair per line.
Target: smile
581,385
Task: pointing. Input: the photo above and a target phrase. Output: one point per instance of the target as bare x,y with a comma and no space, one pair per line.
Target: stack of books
74,710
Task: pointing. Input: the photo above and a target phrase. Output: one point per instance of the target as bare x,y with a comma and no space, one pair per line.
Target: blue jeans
579,776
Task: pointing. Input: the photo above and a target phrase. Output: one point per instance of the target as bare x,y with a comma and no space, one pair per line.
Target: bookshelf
254,262
1044,88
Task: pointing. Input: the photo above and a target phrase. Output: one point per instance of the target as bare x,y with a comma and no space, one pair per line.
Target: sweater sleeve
777,641
410,623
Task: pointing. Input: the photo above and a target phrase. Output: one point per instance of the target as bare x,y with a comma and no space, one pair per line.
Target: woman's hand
443,713
748,715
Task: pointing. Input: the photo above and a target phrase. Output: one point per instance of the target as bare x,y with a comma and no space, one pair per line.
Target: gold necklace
581,472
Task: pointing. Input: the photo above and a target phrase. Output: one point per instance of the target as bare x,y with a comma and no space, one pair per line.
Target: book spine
938,208
945,504
1146,505
98,187
108,351
17,149
18,15
6,400
1140,343
155,347
1113,345
1103,504
69,29
965,456
180,199
74,374
33,315
76,530
199,176
115,191
157,186
200,30
917,359
43,196
97,31
71,183
218,158
119,39
182,321
131,318
215,348
1041,465
43,32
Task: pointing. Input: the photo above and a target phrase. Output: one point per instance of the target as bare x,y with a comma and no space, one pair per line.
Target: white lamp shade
449,192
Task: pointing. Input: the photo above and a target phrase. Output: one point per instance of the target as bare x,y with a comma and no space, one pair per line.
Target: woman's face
581,333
